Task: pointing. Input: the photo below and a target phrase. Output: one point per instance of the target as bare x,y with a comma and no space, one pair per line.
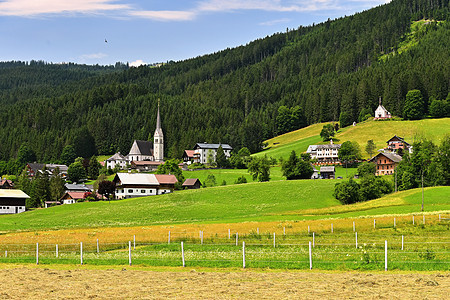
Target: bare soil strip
27,282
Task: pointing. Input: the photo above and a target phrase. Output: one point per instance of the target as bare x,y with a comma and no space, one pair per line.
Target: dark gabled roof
191,181
36,167
398,138
392,156
212,146
145,147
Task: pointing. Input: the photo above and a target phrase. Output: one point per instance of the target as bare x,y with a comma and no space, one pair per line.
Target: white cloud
38,7
137,63
165,15
274,22
93,56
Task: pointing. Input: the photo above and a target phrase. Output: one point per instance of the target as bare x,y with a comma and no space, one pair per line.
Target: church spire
158,119
158,140
379,102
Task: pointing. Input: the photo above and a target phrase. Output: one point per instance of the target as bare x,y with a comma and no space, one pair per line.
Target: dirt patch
23,282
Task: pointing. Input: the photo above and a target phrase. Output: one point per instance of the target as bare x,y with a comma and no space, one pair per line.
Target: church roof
142,148
117,156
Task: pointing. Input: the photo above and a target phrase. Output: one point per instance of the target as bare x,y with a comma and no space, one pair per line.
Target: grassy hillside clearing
378,131
230,175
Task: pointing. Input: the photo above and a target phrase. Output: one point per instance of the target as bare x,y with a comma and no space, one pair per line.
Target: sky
144,32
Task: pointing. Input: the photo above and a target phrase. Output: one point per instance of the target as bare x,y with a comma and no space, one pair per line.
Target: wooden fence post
356,239
385,256
229,233
169,238
37,253
98,249
423,219
57,251
308,229
413,220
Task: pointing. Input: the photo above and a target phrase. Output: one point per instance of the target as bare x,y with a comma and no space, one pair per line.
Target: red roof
147,163
76,195
190,181
189,153
166,179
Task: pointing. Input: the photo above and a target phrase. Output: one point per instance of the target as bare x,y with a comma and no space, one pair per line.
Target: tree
25,154
439,108
327,132
210,158
24,183
296,168
444,158
93,168
68,155
107,188
414,105
370,147
76,172
372,187
84,143
349,152
221,159
40,191
241,180
366,169
210,181
347,192
364,114
345,119
56,186
259,168
170,166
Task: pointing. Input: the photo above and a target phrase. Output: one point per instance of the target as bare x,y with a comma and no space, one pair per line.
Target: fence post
374,223
257,230
98,249
37,253
314,239
81,252
402,241
57,251
284,230
423,219
134,242
439,217
129,253
310,256
243,255
413,220
394,222
308,229
229,233
356,239
385,256
182,254
354,226
331,227
274,240
6,253
237,238
169,238
202,236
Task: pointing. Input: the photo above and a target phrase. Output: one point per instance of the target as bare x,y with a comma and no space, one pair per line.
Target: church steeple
158,140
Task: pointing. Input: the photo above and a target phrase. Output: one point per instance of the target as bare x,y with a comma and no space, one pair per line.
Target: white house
129,185
203,150
12,201
116,159
324,153
381,112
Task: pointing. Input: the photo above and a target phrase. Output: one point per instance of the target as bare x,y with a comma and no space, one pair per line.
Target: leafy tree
170,166
210,181
76,172
347,192
259,168
366,169
370,147
345,119
94,168
221,159
56,186
372,187
25,154
349,152
241,180
210,158
414,105
327,132
364,114
296,168
106,188
439,108
444,158
68,155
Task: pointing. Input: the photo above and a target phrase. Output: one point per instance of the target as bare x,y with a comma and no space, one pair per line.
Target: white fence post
402,241
57,251
354,226
257,230
439,217
6,253
98,248
356,239
243,255
169,238
331,227
413,220
237,238
394,223
310,256
374,223
37,253
423,219
274,240
314,239
284,230
385,256
134,242
308,229
129,253
182,254
81,252
229,233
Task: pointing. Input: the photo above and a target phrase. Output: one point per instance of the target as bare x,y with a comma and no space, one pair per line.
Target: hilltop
378,131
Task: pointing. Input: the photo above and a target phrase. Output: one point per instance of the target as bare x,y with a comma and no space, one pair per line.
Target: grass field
378,131
230,175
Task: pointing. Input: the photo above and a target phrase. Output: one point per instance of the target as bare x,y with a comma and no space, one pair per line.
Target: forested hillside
232,96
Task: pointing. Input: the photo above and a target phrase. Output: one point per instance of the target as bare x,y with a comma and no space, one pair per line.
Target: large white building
142,150
12,201
203,150
130,185
327,153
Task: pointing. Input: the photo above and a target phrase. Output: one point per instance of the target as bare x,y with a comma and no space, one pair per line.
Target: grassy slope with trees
323,69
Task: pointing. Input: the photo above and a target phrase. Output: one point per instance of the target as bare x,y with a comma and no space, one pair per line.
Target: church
142,150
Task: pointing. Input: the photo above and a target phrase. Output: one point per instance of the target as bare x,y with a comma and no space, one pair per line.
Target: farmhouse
327,172
6,184
192,183
34,168
381,112
129,185
327,153
12,201
396,143
117,159
386,162
202,152
188,156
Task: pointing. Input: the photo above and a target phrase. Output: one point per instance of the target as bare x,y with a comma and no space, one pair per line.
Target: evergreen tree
56,186
221,159
40,191
94,168
25,154
345,119
76,172
68,155
370,148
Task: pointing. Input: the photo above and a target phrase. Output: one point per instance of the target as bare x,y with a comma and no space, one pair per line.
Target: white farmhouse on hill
381,112
130,185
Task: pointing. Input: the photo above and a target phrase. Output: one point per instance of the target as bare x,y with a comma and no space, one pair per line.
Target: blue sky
139,31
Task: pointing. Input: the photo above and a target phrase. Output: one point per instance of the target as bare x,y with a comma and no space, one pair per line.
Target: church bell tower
158,140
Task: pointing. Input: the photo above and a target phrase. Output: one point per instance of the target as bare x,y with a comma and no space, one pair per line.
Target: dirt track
20,282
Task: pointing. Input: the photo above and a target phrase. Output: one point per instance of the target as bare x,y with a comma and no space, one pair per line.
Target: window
156,141
130,191
142,191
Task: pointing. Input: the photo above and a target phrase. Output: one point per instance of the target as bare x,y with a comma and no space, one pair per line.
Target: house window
156,141
130,191
143,191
